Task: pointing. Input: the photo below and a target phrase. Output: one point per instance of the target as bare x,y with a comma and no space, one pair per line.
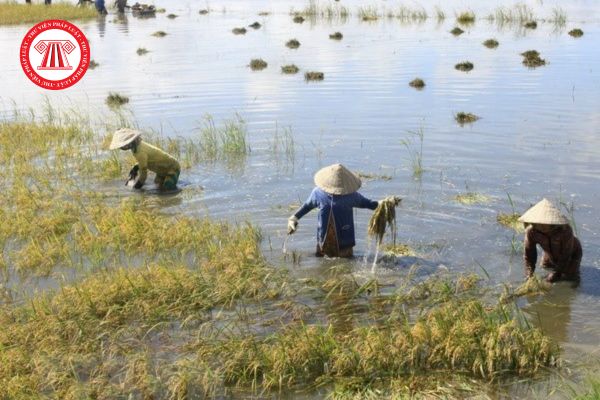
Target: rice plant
466,18
116,100
368,13
258,64
289,69
415,151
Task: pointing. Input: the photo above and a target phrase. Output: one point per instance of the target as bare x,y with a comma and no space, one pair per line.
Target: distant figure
121,4
335,196
100,7
149,158
547,227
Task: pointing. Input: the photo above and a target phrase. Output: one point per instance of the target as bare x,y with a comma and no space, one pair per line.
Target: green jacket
154,159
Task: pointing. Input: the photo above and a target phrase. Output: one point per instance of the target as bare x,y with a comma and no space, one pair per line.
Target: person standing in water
548,228
335,195
149,158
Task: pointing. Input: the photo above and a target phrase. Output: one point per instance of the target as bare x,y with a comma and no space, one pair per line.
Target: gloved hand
292,224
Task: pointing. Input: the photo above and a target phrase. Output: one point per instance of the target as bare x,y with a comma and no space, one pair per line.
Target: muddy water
537,136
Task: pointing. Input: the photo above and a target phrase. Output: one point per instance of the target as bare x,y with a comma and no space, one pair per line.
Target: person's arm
529,252
308,205
363,202
142,159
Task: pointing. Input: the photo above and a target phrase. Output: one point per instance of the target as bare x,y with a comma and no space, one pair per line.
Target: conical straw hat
123,137
337,179
544,212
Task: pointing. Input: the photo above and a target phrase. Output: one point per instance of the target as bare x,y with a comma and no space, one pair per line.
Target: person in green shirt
149,158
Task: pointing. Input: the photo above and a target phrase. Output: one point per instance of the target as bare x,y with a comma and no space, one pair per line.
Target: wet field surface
537,135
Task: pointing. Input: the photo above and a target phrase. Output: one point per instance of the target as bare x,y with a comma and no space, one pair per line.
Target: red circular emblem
55,54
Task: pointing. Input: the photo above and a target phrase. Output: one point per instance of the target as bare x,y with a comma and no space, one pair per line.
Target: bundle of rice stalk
384,216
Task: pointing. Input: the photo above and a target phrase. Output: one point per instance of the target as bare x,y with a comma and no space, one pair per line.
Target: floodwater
538,135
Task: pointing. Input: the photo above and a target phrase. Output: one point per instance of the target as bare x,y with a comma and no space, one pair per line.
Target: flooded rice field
536,136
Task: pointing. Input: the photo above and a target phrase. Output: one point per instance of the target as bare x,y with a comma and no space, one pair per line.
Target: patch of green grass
116,100
239,31
258,64
289,69
336,36
576,33
470,198
464,66
314,76
491,43
417,83
465,118
159,34
12,13
142,51
292,44
510,220
466,18
456,31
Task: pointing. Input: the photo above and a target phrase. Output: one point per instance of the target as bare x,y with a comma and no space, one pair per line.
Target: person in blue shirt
335,196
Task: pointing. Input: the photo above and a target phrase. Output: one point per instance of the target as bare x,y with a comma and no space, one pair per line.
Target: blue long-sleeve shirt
343,217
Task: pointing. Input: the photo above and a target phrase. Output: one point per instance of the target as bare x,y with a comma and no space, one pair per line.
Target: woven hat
337,179
544,212
123,137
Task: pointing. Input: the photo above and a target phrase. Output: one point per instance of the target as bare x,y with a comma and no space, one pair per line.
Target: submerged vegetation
12,13
491,43
159,34
141,51
530,24
290,69
336,36
298,19
314,76
456,31
292,44
510,220
466,18
116,100
469,198
417,83
464,66
465,118
257,64
576,33
239,31
532,59
384,216
94,64
255,25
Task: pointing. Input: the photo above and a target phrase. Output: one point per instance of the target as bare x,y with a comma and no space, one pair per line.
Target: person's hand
292,224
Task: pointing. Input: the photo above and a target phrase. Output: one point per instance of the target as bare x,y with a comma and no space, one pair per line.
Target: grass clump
172,16
12,13
464,66
465,118
530,24
469,198
159,34
292,44
258,64
369,13
456,31
255,25
532,59
491,43
466,18
116,100
510,220
94,64
576,33
314,76
398,250
203,11
289,69
336,36
228,141
520,13
298,19
239,31
384,216
417,83
141,51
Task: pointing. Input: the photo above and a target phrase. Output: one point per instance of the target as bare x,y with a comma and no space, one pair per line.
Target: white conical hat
544,212
337,179
123,137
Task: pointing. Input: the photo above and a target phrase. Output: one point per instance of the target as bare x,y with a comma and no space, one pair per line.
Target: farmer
335,196
148,158
546,226
100,7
